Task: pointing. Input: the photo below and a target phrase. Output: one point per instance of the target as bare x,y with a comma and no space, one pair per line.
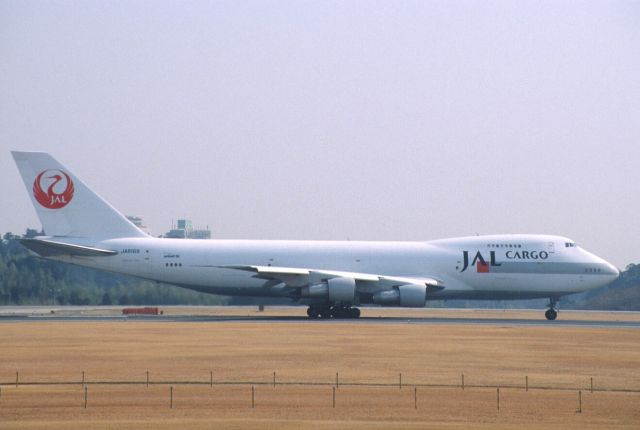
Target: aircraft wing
300,277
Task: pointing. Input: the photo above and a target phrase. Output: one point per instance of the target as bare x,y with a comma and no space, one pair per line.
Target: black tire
551,314
354,313
312,312
337,312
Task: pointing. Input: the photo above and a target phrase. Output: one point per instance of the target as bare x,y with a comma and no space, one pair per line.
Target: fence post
592,384
274,379
211,378
83,378
85,397
336,379
498,397
16,379
147,379
526,383
580,401
415,397
171,397
253,399
463,381
334,397
400,380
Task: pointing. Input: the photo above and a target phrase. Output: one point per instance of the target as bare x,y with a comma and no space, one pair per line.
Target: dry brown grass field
247,353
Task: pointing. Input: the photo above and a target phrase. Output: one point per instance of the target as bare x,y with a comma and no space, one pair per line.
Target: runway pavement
502,322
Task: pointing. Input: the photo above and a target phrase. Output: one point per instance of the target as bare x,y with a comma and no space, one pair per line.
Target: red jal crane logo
56,196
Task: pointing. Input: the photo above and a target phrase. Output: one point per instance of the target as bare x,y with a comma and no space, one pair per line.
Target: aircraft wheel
325,313
338,312
354,313
551,314
312,312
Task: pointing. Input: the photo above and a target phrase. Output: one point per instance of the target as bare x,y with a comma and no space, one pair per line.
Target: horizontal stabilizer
48,248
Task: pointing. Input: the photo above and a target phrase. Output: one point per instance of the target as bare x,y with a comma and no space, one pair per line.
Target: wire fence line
407,384
318,386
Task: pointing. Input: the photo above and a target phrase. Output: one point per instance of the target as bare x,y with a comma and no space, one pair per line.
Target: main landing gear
326,311
551,313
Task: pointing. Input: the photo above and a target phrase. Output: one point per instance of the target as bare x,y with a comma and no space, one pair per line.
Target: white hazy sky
332,120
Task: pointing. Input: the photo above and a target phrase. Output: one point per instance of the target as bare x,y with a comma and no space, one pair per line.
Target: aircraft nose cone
613,271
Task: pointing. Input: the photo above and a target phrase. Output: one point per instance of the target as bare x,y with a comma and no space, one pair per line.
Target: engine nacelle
410,296
413,296
338,290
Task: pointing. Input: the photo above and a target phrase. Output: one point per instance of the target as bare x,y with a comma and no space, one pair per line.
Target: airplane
332,278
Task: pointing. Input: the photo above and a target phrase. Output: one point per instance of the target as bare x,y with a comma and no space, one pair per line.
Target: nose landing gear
551,313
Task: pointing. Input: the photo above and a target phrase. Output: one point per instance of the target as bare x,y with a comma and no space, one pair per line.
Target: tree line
29,280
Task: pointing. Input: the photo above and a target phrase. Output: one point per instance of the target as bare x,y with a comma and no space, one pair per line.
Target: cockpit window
569,244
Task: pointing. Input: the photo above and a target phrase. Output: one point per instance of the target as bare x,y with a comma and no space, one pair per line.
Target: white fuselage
478,267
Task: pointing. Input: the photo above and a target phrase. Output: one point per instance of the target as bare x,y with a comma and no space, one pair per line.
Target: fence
272,380
332,388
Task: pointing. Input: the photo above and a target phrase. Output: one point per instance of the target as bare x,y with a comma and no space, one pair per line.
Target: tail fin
65,205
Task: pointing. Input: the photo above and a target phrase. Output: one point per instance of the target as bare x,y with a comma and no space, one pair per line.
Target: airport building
183,229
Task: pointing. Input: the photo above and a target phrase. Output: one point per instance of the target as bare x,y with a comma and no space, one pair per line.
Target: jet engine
336,290
410,296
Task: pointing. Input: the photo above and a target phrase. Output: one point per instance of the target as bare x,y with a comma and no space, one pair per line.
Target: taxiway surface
503,322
